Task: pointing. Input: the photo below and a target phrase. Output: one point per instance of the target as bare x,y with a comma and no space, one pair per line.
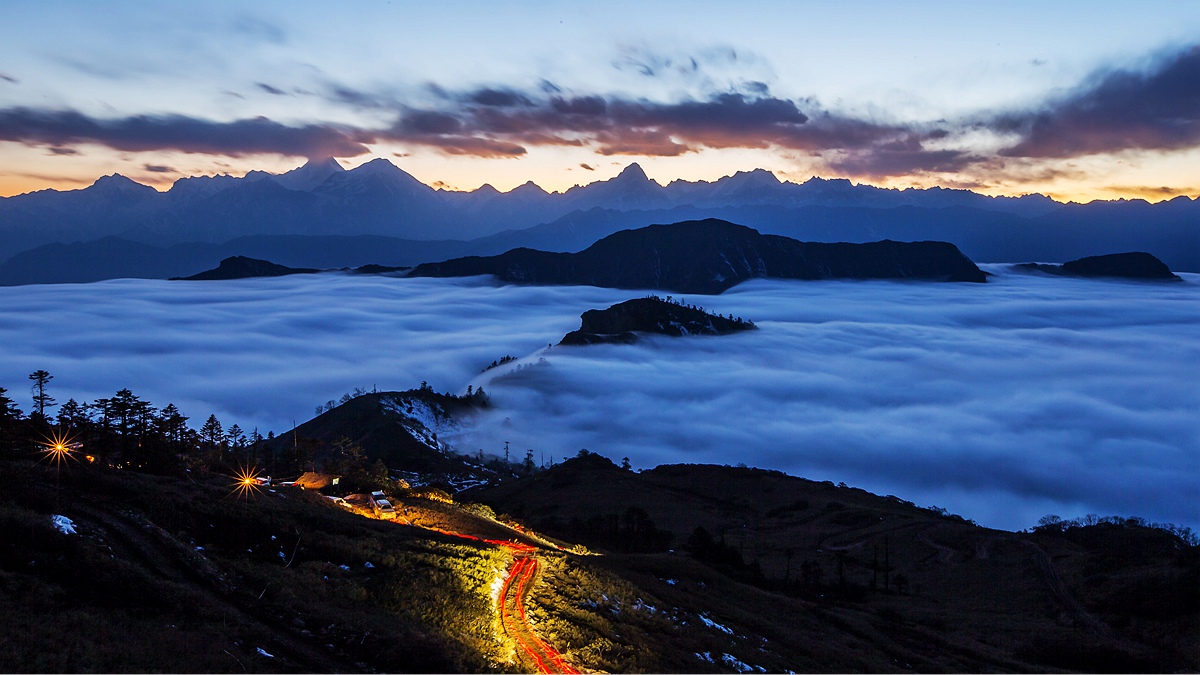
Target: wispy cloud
274,91
720,107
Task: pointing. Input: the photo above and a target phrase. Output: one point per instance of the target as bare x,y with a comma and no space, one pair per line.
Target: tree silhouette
72,415
10,415
212,434
40,398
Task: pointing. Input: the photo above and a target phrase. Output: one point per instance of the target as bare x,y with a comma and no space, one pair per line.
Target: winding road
511,602
512,615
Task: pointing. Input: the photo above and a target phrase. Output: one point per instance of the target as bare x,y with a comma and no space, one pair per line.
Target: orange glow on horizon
1154,178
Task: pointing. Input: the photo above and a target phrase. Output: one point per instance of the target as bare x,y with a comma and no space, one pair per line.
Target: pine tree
9,412
72,415
212,434
40,398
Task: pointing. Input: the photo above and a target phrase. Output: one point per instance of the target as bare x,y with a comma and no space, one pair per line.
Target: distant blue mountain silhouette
303,211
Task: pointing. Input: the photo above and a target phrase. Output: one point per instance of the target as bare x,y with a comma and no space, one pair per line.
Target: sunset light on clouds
1079,101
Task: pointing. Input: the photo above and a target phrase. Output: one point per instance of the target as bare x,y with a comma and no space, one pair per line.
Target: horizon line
442,187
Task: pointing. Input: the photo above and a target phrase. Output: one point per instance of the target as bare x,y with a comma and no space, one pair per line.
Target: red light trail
538,650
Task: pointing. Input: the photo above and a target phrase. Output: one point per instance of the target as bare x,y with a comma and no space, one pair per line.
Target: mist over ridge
1002,401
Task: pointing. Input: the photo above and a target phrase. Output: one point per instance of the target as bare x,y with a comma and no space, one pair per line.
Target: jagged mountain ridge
320,199
710,256
379,198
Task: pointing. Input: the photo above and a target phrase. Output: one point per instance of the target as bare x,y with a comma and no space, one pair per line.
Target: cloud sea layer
1003,402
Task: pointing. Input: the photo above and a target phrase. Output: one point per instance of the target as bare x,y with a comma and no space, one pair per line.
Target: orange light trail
523,571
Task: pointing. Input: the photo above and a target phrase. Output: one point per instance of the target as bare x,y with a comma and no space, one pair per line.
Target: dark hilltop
241,267
1135,265
710,256
623,321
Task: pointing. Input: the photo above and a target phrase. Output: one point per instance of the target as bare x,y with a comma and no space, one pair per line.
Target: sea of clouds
1002,401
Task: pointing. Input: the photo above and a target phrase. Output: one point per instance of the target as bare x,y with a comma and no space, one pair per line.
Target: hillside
400,428
1136,265
241,267
1106,597
123,571
710,256
623,321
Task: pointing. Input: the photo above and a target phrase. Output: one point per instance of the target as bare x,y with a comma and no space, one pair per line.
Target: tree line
125,431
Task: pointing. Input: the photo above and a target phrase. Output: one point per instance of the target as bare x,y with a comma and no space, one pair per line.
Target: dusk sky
1079,100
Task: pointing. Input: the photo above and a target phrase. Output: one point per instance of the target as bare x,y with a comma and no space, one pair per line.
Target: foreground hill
940,592
710,256
122,571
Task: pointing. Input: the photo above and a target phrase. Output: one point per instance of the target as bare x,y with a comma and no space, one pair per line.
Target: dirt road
512,615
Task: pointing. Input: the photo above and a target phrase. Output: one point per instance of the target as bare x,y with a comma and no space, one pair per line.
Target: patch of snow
641,604
368,565
63,524
713,624
498,585
199,548
282,555
430,420
344,568
672,582
264,653
736,664
704,656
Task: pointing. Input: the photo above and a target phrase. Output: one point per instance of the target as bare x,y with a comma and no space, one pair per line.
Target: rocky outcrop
622,322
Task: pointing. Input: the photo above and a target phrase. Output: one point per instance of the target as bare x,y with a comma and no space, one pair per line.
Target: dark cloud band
1155,109
1158,109
141,133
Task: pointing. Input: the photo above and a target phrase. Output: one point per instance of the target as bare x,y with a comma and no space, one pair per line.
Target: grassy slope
977,599
132,592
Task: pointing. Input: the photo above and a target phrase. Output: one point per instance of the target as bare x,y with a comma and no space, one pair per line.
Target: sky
1002,402
1078,100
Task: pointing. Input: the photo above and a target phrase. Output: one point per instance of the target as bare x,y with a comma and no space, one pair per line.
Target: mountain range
321,215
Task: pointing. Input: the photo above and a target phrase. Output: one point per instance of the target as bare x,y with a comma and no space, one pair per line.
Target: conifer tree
40,398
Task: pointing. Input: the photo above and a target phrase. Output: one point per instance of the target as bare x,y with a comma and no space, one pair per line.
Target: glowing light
246,482
58,447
